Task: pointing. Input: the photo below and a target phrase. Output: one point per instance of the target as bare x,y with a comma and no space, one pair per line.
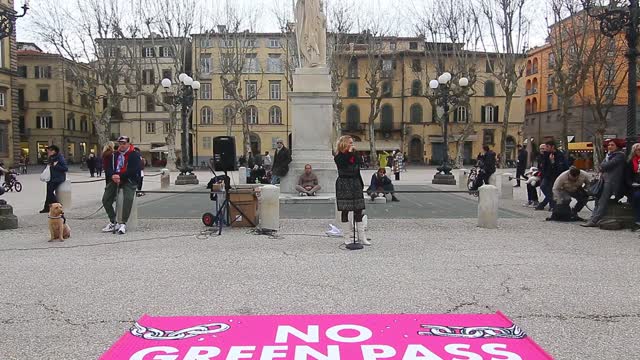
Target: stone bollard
242,175
488,207
506,189
493,180
462,176
132,224
165,179
8,221
269,208
63,194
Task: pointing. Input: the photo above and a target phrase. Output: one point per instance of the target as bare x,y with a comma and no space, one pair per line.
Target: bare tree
505,26
606,77
575,42
452,30
240,67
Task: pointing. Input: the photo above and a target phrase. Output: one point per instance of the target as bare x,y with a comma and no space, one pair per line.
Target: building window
549,102
226,94
205,64
148,77
166,52
112,52
353,118
70,96
84,101
416,88
274,90
150,103
44,95
250,43
387,89
226,43
353,68
43,72
550,83
274,63
22,71
274,43
275,115
393,46
44,121
206,142
3,96
489,114
84,124
21,101
386,118
166,126
489,66
251,116
461,115
205,91
167,74
387,68
148,52
251,63
552,60
488,137
489,88
416,65
151,127
4,138
413,45
207,116
609,93
416,114
229,115
352,90
71,122
205,43
252,89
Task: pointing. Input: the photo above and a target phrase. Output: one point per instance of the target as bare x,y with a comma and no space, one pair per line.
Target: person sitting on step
381,185
308,182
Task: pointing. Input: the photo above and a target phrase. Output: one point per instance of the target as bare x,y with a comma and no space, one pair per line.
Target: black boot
394,198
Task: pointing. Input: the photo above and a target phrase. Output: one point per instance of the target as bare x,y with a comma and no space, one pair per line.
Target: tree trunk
246,136
230,126
101,125
460,155
564,118
337,122
372,144
171,142
598,148
505,130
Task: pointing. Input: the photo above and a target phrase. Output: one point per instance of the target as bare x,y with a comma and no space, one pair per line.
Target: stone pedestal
444,179
312,114
488,207
8,221
165,179
506,188
187,179
462,176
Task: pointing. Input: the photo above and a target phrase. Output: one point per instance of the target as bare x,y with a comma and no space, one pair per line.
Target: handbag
46,174
596,187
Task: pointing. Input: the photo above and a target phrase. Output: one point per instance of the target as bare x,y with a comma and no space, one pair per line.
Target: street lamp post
183,98
442,90
613,21
8,19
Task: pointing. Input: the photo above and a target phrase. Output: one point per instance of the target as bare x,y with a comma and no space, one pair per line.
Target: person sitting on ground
612,173
381,185
571,184
308,182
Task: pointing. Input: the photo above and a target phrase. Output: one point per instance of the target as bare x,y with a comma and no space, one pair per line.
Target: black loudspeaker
224,153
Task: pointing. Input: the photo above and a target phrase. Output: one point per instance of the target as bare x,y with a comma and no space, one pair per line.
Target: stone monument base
8,221
444,179
189,179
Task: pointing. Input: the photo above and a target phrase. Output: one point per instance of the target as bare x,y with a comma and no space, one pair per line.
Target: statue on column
311,33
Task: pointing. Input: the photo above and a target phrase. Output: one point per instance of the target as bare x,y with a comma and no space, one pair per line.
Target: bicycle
473,177
13,184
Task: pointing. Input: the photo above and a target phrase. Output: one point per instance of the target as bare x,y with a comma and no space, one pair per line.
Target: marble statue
311,33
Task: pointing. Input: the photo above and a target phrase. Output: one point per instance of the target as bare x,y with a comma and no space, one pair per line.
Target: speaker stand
187,177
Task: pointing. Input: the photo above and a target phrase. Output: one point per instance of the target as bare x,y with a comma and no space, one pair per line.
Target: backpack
562,212
611,224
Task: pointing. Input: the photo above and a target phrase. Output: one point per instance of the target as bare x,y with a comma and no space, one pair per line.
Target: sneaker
301,194
589,224
122,229
111,227
381,195
334,231
527,204
535,204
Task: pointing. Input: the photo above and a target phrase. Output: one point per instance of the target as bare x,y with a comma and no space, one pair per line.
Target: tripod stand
354,245
222,215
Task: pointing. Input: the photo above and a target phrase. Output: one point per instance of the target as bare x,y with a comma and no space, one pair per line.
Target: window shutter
434,115
153,78
38,123
496,117
37,68
455,115
482,115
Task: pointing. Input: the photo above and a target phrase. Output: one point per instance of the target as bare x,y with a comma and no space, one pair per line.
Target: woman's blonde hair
343,143
109,146
635,147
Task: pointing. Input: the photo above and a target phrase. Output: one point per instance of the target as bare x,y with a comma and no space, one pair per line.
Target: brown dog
58,229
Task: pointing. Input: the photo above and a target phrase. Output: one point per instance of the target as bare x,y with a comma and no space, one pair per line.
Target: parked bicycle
11,182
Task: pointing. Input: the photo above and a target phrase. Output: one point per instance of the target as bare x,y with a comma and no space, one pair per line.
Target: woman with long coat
349,187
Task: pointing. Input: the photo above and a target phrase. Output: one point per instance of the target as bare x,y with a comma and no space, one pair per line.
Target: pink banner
327,337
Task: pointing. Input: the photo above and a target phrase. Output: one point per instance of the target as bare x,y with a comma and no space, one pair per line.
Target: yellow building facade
9,133
268,115
51,108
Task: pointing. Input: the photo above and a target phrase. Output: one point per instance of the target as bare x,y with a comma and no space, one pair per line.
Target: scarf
120,161
636,163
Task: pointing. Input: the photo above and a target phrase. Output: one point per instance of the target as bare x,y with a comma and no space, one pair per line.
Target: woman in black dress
349,186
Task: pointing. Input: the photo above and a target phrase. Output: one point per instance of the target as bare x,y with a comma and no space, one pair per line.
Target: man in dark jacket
58,168
281,161
522,164
487,164
124,173
554,163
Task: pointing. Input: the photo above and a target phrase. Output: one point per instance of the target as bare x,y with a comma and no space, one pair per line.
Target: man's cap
123,139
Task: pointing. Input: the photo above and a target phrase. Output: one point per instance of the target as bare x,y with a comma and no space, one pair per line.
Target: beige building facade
9,131
51,108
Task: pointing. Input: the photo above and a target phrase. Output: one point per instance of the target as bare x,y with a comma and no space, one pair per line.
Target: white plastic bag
46,174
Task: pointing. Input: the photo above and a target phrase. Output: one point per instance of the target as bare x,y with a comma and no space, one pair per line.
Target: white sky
379,10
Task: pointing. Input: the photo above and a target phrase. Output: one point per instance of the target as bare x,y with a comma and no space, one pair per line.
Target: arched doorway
416,149
511,148
255,143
